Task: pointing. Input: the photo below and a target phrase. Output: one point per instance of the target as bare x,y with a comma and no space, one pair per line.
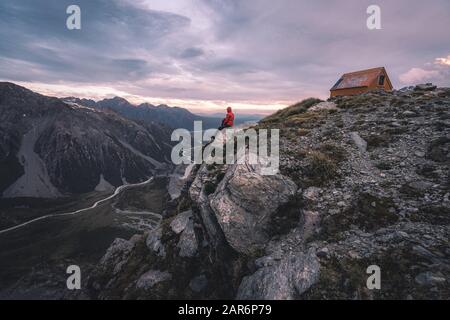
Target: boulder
244,202
359,142
188,243
151,278
286,280
154,242
117,255
179,223
425,87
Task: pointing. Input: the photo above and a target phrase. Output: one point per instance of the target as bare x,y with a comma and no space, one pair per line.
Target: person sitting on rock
228,121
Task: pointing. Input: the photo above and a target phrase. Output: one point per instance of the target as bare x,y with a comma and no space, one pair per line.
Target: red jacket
229,119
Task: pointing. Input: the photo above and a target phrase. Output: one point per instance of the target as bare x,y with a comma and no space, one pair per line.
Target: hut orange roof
362,81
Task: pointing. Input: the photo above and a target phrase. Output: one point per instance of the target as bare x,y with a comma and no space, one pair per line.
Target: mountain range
49,148
173,117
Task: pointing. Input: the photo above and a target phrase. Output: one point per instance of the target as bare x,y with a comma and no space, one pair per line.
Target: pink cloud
443,61
416,75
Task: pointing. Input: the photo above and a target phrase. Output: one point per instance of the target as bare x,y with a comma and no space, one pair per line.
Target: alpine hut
362,81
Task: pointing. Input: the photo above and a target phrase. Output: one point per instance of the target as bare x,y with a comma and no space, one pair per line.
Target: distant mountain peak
117,100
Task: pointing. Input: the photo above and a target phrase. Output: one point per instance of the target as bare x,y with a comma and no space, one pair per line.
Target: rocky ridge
364,180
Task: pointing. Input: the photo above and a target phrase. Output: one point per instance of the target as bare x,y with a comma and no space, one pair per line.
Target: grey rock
419,154
154,242
292,276
180,221
312,193
116,255
323,252
359,142
425,87
244,202
188,243
151,278
310,221
409,113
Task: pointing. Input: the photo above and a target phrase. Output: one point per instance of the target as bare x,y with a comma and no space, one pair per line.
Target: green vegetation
302,132
369,212
357,101
306,120
295,109
319,168
333,151
322,163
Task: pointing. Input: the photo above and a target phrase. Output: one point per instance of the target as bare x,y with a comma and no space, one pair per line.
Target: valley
43,248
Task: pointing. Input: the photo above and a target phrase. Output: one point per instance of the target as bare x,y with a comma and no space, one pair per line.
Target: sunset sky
256,55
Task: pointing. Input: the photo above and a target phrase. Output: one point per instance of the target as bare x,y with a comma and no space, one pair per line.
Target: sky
255,55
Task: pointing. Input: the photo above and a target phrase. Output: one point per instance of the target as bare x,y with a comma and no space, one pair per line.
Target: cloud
192,53
416,75
115,41
443,61
258,52
437,72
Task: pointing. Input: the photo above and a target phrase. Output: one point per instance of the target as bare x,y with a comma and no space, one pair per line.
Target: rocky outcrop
244,203
362,184
286,279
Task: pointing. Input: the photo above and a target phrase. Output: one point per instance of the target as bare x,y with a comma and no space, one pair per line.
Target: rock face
364,184
283,280
49,148
149,279
188,244
244,202
180,222
425,87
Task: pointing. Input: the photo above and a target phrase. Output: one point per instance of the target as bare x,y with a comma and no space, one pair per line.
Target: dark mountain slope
49,147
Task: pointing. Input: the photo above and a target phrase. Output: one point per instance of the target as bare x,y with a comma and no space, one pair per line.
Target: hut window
381,80
338,83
